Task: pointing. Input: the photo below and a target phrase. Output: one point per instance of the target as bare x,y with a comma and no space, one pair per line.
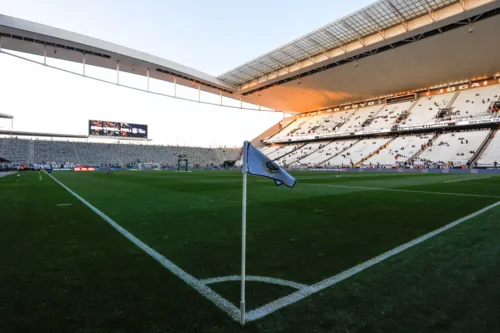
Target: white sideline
406,191
199,286
300,294
253,278
463,180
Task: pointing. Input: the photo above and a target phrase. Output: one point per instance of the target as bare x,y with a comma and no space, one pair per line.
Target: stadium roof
452,44
6,116
372,19
388,47
34,38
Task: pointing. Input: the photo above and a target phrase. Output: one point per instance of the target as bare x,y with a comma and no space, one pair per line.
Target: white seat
457,147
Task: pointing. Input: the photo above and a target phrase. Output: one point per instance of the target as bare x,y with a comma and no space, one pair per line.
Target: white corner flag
258,164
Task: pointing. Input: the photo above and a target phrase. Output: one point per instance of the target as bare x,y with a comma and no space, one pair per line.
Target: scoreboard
117,129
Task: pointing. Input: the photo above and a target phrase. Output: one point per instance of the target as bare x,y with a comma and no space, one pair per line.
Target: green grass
64,269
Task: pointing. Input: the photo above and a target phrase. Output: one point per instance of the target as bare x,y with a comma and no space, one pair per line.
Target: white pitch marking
199,286
358,175
264,279
407,191
307,291
466,179
8,173
40,176
64,205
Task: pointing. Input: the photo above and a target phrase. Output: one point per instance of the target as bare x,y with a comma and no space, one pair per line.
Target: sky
210,36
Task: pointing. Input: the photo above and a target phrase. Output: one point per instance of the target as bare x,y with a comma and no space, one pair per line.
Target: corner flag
258,164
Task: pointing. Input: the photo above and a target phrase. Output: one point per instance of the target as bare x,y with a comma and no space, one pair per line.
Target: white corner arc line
64,205
466,179
270,280
199,286
407,191
300,294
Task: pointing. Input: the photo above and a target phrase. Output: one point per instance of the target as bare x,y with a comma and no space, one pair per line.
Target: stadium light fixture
356,64
471,28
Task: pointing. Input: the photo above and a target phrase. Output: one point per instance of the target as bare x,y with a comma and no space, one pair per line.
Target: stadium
389,128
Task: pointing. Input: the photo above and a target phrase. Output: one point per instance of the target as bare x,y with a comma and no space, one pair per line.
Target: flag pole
243,237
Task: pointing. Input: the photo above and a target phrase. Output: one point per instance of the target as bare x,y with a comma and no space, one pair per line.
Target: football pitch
160,251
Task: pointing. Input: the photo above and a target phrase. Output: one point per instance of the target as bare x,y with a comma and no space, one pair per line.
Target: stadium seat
426,109
474,103
398,151
357,152
324,154
358,118
491,155
455,147
99,154
389,114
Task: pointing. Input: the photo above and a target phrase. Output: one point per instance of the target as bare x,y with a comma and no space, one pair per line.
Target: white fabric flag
257,164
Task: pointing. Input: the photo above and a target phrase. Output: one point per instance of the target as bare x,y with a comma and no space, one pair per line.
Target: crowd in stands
476,103
389,115
434,149
300,153
399,151
431,150
452,149
66,154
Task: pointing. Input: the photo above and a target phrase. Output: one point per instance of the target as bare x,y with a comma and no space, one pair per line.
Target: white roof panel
378,16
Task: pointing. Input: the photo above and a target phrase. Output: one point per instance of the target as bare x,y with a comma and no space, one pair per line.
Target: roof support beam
312,40
238,77
248,76
351,29
277,61
327,32
429,9
268,67
288,54
300,48
340,44
477,17
370,18
258,71
280,64
305,52
462,3
397,13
